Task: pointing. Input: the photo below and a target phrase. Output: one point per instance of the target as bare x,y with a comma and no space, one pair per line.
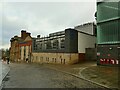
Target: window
56,44
48,44
52,59
55,60
62,43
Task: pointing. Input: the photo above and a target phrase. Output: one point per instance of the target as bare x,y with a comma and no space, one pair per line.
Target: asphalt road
39,76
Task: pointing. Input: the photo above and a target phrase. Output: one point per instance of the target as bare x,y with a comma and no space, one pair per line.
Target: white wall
85,41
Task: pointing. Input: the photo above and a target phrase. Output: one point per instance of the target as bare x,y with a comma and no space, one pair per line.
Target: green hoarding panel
108,23
107,11
108,33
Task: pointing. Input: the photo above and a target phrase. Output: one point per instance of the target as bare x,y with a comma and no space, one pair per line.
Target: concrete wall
56,58
85,41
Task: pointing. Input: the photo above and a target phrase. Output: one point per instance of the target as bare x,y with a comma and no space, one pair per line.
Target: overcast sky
43,17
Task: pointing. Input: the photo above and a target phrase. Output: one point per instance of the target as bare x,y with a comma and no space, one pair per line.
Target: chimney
23,34
28,34
16,36
38,36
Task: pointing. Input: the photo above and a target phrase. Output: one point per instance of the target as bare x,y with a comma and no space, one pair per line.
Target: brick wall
56,58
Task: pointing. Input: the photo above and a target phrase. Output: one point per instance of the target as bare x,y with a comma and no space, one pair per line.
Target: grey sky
43,17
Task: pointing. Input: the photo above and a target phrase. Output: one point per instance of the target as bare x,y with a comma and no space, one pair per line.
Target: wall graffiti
109,61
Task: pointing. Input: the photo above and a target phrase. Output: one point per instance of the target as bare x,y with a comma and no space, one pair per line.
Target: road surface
38,76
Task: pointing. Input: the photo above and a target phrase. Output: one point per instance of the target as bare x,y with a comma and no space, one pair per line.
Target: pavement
25,75
105,76
4,69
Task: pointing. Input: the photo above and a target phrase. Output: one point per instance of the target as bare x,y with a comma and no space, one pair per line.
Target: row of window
49,45
47,59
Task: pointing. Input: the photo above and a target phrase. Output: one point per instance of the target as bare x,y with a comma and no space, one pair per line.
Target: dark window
55,60
62,43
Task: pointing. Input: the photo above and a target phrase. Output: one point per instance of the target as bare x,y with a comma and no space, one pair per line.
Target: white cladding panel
86,28
85,41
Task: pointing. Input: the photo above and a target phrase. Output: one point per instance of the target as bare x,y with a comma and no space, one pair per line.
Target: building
108,31
65,47
53,43
88,35
20,44
53,49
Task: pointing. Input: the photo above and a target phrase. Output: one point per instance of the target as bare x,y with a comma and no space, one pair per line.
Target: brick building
15,46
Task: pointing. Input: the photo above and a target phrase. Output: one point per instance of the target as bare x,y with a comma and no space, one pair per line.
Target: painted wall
85,41
27,51
22,53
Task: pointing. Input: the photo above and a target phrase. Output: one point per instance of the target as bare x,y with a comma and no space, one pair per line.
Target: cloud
11,26
44,17
49,0
5,46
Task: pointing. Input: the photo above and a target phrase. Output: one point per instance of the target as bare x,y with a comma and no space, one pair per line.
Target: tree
7,53
4,53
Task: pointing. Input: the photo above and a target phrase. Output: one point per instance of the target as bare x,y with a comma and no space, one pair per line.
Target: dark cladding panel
33,44
71,41
108,55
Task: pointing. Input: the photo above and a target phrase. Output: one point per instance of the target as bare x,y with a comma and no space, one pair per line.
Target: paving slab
4,69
